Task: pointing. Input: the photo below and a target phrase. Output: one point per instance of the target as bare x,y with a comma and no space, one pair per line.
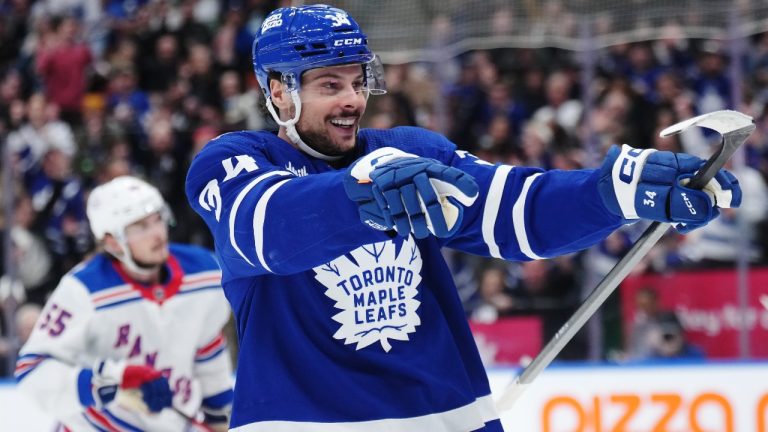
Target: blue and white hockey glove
409,193
650,184
137,387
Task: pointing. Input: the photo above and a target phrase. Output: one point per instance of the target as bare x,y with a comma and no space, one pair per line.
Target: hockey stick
734,127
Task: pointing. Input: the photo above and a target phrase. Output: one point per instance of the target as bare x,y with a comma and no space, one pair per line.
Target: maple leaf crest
375,291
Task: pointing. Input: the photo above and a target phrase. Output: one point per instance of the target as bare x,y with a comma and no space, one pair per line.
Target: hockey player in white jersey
131,339
330,239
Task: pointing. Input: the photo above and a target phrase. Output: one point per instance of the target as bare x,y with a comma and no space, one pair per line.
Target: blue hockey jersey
339,323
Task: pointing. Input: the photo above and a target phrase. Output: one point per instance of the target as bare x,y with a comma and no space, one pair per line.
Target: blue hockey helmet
293,40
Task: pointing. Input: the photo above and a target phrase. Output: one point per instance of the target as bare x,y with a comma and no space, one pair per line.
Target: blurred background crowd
93,89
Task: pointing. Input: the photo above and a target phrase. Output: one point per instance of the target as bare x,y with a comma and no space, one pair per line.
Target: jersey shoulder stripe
27,363
193,259
212,349
114,296
98,274
201,281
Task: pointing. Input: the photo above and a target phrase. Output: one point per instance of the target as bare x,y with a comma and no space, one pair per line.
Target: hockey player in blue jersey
330,239
133,334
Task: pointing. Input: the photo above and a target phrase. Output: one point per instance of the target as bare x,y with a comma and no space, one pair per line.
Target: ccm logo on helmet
345,42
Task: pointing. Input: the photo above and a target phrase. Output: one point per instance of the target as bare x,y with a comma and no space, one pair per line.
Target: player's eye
331,86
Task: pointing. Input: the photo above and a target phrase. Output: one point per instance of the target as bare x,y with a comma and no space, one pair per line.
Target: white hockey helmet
120,202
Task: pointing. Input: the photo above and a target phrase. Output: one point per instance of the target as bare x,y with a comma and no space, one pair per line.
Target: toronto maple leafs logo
375,291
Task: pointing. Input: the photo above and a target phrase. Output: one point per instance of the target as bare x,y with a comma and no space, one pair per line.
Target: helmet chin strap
127,260
290,128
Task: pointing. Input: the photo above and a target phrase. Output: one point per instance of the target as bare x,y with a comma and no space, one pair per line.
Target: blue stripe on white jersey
27,363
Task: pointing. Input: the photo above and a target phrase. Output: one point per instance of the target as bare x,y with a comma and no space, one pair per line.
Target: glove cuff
98,386
362,168
108,372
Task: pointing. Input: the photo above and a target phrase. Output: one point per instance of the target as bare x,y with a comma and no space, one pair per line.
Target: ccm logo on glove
628,164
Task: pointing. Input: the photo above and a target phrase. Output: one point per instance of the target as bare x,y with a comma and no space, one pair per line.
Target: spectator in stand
655,332
671,343
11,99
465,101
536,144
59,201
32,140
26,317
124,53
561,108
494,294
502,103
24,322
710,81
238,104
29,253
160,69
498,143
97,136
164,165
127,103
642,71
203,78
673,51
190,31
62,62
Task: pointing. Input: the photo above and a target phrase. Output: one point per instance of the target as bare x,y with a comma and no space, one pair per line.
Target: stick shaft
731,142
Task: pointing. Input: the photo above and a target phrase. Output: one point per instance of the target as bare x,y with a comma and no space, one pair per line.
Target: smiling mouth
344,123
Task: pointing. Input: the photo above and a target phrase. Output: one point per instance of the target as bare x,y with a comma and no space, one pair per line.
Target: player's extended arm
527,213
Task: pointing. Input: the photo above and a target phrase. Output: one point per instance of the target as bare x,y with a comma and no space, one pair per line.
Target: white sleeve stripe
236,206
518,219
625,192
258,223
472,416
491,210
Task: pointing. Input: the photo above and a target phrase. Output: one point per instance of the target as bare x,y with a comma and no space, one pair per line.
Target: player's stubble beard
154,264
319,139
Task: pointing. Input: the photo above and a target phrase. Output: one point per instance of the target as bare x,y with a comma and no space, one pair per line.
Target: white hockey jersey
98,313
